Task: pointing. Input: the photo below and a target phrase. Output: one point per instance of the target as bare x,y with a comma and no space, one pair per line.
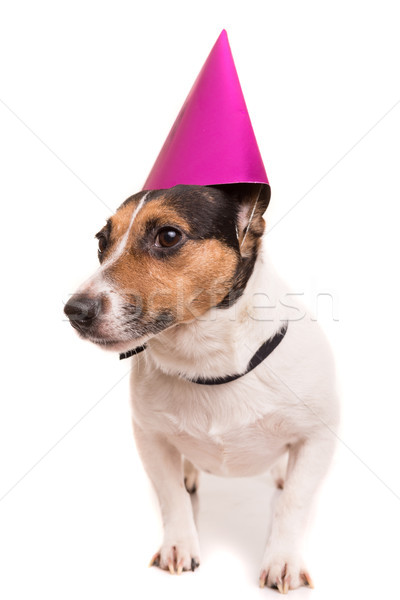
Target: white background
88,92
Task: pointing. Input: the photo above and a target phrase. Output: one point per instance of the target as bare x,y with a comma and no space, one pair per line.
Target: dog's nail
155,561
280,587
179,568
307,579
286,583
171,567
194,564
263,579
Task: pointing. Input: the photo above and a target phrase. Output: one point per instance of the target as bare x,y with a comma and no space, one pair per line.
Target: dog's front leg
282,566
163,463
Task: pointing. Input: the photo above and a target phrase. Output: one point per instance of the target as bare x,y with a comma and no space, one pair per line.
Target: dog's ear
251,201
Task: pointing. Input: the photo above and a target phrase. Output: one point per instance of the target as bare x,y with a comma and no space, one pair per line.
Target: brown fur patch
186,284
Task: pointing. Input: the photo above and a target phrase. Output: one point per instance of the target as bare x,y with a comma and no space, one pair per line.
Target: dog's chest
224,432
240,452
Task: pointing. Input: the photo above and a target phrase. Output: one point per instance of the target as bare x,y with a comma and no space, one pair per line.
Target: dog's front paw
178,557
284,573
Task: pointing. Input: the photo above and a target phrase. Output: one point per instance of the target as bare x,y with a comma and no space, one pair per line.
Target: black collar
132,352
264,350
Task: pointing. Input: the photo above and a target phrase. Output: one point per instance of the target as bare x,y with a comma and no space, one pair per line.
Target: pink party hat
212,141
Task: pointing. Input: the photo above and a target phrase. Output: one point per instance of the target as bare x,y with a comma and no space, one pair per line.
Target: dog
228,379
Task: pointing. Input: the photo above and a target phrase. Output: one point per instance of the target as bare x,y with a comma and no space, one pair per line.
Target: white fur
120,248
287,404
97,284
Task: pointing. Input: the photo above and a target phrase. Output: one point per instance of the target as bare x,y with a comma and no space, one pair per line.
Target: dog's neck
223,340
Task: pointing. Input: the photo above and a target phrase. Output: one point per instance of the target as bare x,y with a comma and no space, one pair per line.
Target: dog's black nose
82,310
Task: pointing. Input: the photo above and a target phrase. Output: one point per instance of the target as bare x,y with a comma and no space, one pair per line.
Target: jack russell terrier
221,384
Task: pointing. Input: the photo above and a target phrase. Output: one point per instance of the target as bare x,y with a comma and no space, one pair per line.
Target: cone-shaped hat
212,141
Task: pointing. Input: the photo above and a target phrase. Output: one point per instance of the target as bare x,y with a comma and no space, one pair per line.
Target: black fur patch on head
208,211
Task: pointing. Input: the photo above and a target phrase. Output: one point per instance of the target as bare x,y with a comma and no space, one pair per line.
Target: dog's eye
102,244
168,237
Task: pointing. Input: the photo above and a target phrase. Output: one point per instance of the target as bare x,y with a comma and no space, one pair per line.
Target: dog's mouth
127,346
114,345
103,342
